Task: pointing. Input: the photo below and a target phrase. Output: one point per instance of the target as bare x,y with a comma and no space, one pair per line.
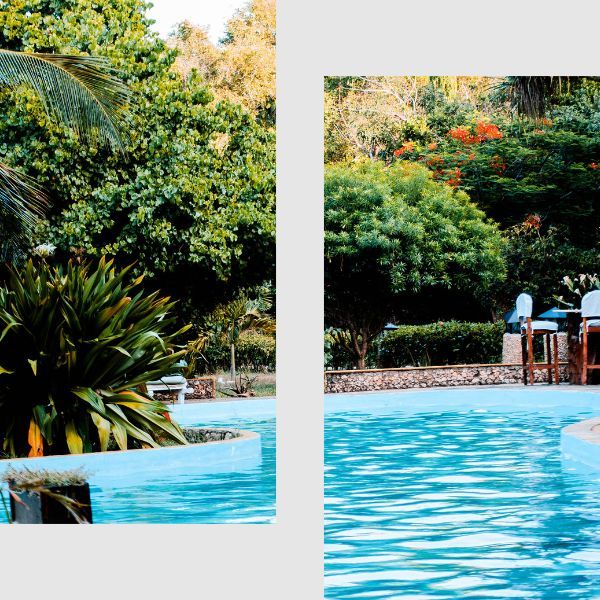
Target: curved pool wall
580,442
136,466
501,399
218,412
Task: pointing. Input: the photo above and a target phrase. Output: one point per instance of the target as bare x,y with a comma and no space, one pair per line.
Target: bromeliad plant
77,346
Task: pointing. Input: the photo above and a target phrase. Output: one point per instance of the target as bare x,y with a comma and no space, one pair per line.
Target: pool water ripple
457,504
246,495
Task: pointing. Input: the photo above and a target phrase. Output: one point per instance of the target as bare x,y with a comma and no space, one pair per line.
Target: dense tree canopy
241,68
192,199
526,150
399,244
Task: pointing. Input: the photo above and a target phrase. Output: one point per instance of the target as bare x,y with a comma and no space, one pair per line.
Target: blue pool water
244,495
459,494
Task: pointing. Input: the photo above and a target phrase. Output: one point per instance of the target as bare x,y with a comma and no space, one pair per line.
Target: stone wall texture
425,377
511,348
202,388
199,388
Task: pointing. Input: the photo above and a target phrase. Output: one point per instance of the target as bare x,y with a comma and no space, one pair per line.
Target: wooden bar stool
529,329
590,308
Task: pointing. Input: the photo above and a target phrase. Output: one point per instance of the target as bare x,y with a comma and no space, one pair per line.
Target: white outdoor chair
529,329
175,382
590,323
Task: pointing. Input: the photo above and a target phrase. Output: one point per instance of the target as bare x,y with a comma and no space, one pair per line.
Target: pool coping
108,468
580,442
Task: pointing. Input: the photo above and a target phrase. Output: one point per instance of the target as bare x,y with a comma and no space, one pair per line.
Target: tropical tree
399,244
531,95
78,91
241,68
192,199
247,312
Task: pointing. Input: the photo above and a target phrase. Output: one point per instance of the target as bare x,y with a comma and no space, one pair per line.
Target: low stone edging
425,377
201,435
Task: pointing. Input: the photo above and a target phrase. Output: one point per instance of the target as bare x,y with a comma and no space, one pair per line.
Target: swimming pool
459,494
244,493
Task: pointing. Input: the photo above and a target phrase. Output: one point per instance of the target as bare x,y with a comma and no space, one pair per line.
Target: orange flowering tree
512,168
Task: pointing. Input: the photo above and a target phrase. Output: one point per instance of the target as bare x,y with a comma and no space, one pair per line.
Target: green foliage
338,352
533,168
574,289
538,259
397,243
76,343
222,330
256,351
193,198
449,343
83,96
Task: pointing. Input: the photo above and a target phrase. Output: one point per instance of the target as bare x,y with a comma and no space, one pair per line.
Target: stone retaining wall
199,435
202,388
424,377
511,348
199,388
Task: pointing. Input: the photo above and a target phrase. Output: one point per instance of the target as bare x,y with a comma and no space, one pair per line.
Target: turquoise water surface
459,494
245,494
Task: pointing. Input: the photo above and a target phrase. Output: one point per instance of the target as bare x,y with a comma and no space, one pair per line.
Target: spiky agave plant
79,91
77,345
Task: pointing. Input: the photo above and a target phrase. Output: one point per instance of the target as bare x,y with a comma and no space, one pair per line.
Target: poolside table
575,356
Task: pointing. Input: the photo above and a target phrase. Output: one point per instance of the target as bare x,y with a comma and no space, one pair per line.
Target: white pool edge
580,442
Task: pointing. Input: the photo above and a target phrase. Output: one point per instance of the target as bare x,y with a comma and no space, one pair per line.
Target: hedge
254,352
444,343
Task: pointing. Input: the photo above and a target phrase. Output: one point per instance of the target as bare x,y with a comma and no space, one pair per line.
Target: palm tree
244,313
530,95
79,91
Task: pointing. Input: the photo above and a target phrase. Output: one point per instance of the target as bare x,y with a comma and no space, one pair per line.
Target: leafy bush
338,353
400,245
449,343
192,198
539,258
256,351
76,342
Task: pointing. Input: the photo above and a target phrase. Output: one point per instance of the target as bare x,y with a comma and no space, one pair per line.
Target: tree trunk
360,345
233,362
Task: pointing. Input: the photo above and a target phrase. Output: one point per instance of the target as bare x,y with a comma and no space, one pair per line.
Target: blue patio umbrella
554,313
511,316
390,327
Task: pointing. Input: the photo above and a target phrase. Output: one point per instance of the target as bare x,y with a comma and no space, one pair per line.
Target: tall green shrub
399,244
449,343
192,199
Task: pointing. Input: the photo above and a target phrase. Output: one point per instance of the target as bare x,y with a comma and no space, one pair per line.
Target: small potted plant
48,496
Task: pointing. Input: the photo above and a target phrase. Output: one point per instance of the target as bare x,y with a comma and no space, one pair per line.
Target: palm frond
21,195
22,202
81,91
529,95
